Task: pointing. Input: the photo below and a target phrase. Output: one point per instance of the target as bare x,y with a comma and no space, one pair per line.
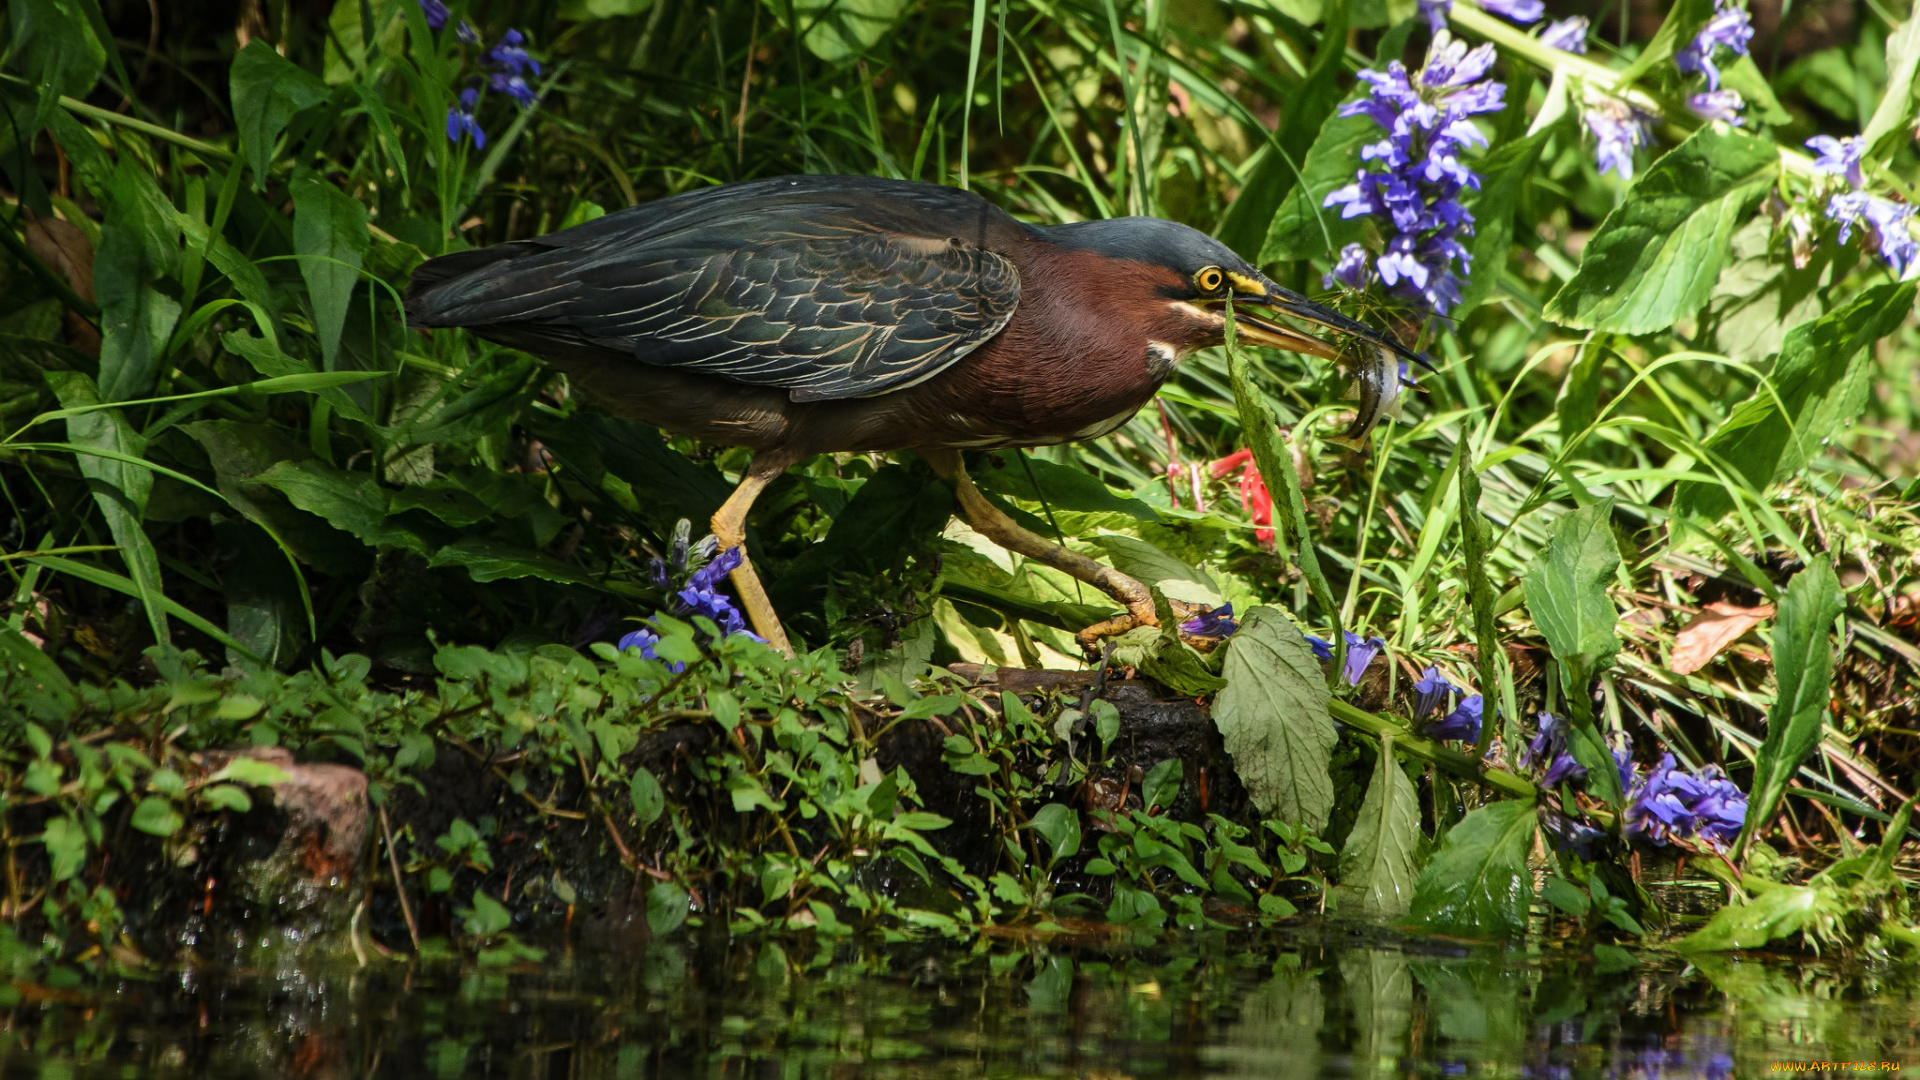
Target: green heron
816,314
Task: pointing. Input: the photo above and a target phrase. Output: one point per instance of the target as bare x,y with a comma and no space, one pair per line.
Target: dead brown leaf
65,250
1710,631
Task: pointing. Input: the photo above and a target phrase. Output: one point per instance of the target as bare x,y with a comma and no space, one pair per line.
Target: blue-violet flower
1617,129
1524,12
1721,105
461,121
1462,723
1567,35
1217,623
1729,27
1840,157
1431,692
1360,653
645,640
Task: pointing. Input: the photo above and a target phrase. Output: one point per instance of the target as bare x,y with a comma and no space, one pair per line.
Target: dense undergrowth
1666,455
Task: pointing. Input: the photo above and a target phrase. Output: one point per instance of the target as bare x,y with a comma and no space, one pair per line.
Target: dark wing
828,287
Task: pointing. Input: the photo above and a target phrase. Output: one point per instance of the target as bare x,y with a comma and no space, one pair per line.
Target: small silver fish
1377,385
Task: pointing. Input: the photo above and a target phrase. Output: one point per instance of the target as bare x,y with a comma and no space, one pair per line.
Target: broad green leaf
1059,826
1162,784
347,50
227,797
1655,258
251,771
1803,677
1304,228
1273,719
1244,226
587,10
1150,566
267,91
491,560
1379,863
489,916
1061,487
120,489
140,244
1777,913
1504,176
1567,896
351,502
330,236
156,816
55,49
666,907
839,30
1478,884
66,844
1166,660
1894,116
1822,379
1567,589
649,801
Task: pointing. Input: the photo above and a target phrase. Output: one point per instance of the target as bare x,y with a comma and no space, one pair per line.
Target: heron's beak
1256,298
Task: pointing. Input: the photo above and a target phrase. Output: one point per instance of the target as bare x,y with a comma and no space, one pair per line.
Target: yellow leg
730,529
996,526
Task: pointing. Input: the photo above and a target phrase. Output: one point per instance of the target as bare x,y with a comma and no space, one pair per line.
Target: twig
399,883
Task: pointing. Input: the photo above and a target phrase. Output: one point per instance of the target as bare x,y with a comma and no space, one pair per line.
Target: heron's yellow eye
1209,279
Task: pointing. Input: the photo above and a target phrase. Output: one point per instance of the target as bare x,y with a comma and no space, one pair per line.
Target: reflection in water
1319,1001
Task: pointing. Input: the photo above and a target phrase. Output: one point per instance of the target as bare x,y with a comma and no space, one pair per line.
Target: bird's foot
1142,614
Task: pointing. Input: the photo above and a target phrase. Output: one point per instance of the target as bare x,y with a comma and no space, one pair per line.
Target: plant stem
1427,750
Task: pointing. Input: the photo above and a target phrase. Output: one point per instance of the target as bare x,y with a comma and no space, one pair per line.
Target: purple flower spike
1729,27
1360,653
711,574
645,640
511,55
1617,129
436,13
1840,157
1721,105
1563,769
461,121
1351,270
1435,12
1431,691
1567,35
1463,723
1890,223
1217,623
1413,178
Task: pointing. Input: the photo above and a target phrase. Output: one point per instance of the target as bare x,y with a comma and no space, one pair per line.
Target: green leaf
649,801
351,502
1162,784
488,917
1683,21
1803,677
267,91
1777,913
1567,590
1655,258
1478,884
251,771
1567,896
1059,826
66,844
666,907
1892,121
120,488
491,560
156,816
1381,858
1822,379
140,243
330,237
1304,228
55,49
839,30
1504,176
227,797
1061,487
1244,226
1150,566
1273,719
1166,660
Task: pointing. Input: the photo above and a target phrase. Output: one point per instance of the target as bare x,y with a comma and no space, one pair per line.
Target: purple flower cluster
1463,723
1723,105
1549,746
1360,653
1524,12
507,65
644,640
1217,623
1668,801
1729,28
1419,178
698,597
1889,223
1618,128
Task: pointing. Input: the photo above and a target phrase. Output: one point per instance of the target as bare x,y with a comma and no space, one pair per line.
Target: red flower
1254,496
